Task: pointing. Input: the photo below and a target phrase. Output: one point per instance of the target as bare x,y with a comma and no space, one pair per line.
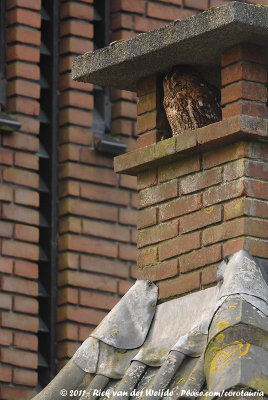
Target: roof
197,40
214,340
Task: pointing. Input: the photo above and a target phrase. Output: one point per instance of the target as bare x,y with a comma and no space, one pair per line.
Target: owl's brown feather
189,101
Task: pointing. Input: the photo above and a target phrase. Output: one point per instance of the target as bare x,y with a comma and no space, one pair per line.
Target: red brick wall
97,209
19,197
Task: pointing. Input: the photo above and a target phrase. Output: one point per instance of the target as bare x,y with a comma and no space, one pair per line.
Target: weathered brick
225,154
19,285
256,189
142,24
200,180
6,337
243,70
244,107
6,265
127,216
234,170
97,300
244,90
155,10
75,45
177,286
158,233
146,122
20,250
75,116
19,321
127,252
147,217
234,245
199,219
146,103
71,10
224,192
13,393
146,179
111,195
70,224
146,85
19,358
180,206
5,374
137,6
105,266
68,260
209,275
23,34
157,194
83,172
147,256
20,214
6,229
87,245
6,156
124,109
66,349
32,4
244,51
87,209
21,141
179,245
26,269
67,331
23,53
68,295
26,341
27,233
20,177
159,271
179,168
25,305
25,17
148,138
124,286
76,28
200,258
81,315
196,4
107,231
25,377
257,247
87,280
23,70
6,301
129,182
6,193
224,231
234,209
89,156
256,169
26,197
75,134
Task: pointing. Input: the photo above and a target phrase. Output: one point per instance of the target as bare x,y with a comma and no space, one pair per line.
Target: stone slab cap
198,40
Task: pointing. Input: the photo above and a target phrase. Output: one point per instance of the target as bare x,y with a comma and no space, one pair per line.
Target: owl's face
180,81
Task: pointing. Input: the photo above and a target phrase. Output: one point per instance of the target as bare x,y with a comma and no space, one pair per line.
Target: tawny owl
189,101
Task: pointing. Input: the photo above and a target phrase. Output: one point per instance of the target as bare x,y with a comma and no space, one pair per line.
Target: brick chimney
202,194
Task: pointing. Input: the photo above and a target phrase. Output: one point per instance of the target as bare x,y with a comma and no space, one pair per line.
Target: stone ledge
197,40
195,141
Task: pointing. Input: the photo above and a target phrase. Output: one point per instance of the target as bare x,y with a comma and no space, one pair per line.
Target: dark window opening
48,192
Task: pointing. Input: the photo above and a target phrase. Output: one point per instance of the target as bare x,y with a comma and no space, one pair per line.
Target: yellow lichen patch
222,325
228,355
259,382
233,307
208,210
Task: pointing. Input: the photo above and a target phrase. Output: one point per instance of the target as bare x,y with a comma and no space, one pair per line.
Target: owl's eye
178,84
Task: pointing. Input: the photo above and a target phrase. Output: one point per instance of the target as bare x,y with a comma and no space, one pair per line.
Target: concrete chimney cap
197,40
